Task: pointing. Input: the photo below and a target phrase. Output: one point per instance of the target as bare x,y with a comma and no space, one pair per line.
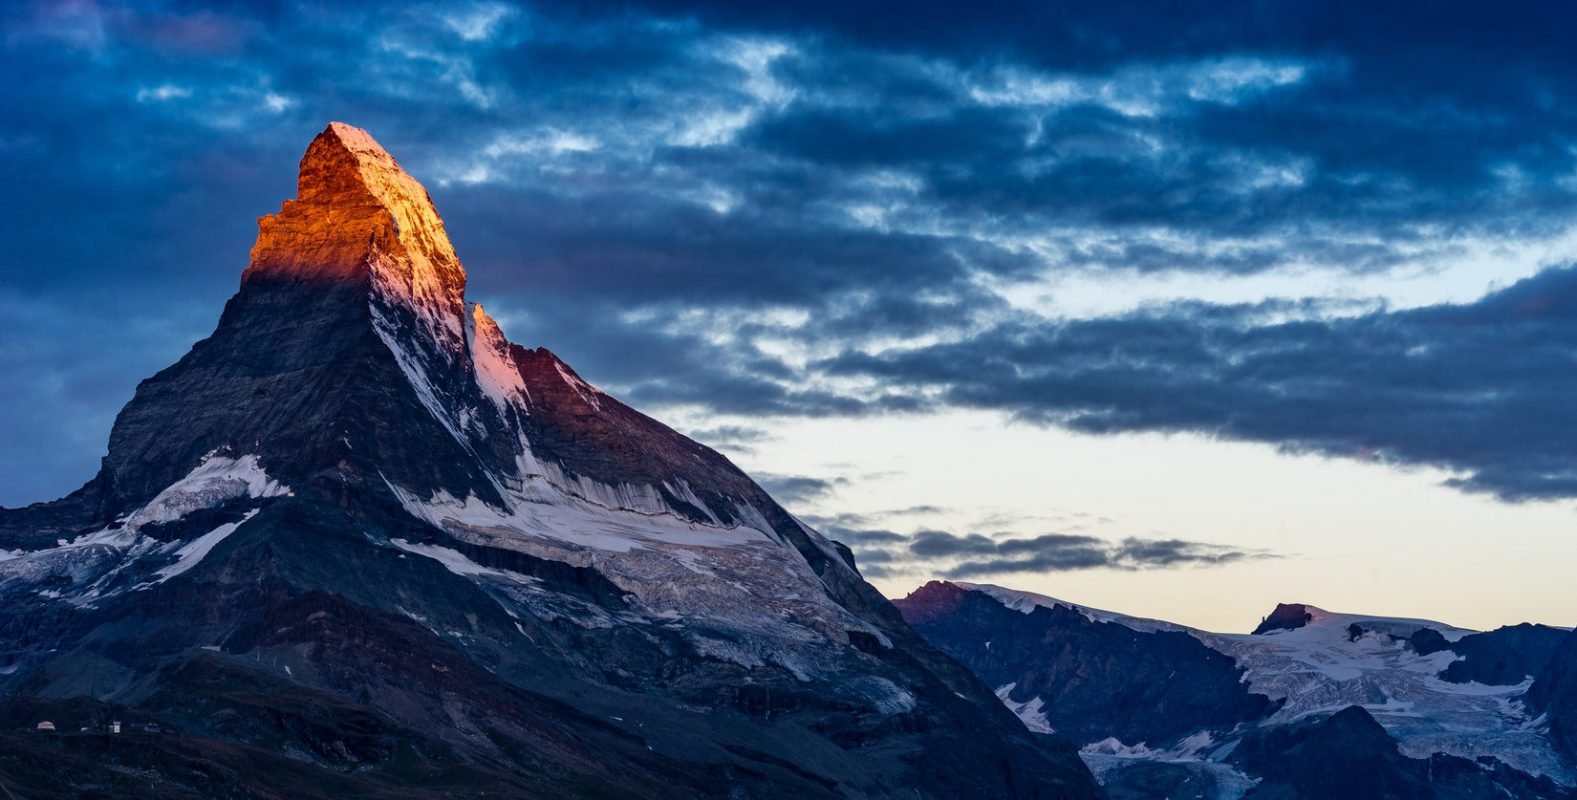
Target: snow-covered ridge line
587,392
1026,602
1318,617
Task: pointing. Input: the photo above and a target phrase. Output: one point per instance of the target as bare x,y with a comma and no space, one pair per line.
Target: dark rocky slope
1349,755
1554,695
1502,657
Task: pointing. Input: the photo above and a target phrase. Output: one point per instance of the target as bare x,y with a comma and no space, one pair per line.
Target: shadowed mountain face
356,543
1088,680
1554,694
1285,617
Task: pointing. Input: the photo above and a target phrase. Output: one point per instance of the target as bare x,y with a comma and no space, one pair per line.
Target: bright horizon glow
1354,537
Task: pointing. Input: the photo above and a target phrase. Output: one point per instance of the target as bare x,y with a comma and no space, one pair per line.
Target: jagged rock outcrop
1505,656
359,529
1285,617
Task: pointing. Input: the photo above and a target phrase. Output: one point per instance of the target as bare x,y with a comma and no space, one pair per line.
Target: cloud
1483,389
937,544
822,208
797,489
884,553
732,438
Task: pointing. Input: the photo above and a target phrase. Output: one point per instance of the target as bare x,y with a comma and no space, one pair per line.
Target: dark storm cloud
865,540
974,555
1484,388
667,194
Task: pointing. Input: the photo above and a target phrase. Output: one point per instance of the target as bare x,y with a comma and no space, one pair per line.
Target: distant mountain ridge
357,544
1160,709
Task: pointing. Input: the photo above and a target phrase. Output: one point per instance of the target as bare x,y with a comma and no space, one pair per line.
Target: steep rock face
357,526
1086,679
1285,617
1554,695
1505,656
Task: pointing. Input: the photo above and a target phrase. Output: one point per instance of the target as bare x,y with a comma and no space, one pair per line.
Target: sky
1176,309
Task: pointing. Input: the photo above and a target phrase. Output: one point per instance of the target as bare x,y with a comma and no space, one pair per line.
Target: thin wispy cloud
884,553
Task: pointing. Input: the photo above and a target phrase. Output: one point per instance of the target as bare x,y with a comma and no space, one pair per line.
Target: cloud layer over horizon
827,210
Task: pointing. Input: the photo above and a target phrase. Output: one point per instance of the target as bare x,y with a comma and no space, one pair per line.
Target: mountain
357,544
1162,710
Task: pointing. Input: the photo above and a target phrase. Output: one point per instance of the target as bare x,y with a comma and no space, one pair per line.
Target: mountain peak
345,158
356,214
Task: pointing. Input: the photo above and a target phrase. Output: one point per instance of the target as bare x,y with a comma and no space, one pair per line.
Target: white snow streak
194,551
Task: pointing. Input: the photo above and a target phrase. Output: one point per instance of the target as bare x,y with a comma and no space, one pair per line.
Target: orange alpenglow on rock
356,210
358,217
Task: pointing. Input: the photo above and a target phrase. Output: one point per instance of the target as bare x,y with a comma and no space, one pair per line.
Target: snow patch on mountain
1028,712
739,593
581,525
1192,748
457,562
888,697
193,552
1199,754
546,482
215,481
